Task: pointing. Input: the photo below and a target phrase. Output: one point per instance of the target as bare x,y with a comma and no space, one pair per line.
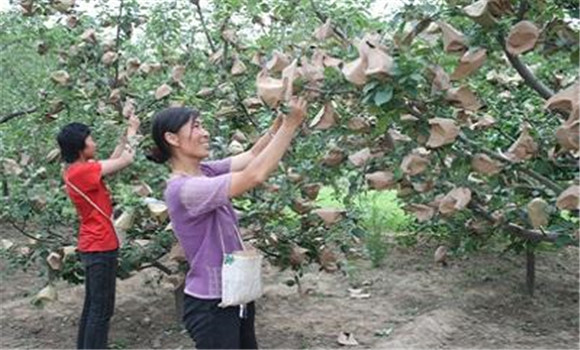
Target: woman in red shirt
97,240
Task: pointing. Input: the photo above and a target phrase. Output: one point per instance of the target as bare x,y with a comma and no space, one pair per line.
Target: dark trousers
100,278
213,327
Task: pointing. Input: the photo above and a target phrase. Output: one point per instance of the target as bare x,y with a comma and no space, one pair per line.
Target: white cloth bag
241,275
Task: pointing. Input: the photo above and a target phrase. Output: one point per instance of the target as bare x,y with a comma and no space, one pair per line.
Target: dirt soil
478,302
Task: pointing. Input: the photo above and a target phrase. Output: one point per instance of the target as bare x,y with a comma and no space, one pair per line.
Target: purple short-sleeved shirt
199,209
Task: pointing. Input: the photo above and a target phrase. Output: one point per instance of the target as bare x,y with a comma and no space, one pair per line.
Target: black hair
71,140
168,120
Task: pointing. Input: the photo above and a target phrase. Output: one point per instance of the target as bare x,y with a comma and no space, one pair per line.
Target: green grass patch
378,208
381,215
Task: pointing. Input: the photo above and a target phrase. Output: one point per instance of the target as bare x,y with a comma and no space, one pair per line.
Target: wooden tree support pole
530,270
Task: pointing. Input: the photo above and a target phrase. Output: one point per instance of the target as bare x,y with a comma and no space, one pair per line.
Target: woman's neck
81,159
186,166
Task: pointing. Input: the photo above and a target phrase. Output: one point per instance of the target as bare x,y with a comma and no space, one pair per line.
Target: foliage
172,33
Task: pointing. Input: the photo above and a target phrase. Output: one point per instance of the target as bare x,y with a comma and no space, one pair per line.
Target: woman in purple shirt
198,196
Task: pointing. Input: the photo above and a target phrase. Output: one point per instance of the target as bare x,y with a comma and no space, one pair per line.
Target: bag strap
238,235
85,197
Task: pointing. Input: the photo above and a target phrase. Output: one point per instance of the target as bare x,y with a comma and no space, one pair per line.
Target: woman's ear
171,139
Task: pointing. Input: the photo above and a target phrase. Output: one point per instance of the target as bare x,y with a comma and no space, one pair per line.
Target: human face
192,140
90,148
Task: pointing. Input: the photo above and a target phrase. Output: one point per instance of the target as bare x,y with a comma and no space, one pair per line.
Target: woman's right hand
134,124
298,107
113,165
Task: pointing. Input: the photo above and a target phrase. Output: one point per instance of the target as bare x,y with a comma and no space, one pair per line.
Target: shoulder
207,169
83,169
216,167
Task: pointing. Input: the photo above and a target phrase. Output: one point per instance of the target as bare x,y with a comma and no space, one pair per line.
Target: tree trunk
178,294
5,191
530,270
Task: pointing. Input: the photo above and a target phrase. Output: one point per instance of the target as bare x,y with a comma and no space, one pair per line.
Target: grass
381,215
381,208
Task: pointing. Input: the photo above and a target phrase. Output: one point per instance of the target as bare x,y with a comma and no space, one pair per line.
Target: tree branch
146,107
333,92
5,190
239,97
414,110
10,116
117,39
54,234
531,173
323,19
159,266
538,177
529,77
524,7
531,235
542,179
21,230
204,26
239,100
504,134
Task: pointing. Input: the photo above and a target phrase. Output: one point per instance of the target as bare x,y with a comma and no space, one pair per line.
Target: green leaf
575,56
382,125
417,77
368,87
562,240
366,99
398,173
384,95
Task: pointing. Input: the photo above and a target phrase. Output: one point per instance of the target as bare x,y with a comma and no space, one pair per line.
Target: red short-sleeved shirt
96,233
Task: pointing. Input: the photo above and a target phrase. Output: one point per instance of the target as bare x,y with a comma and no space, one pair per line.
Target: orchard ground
475,302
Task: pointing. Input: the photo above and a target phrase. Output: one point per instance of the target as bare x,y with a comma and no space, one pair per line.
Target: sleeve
217,167
88,176
200,195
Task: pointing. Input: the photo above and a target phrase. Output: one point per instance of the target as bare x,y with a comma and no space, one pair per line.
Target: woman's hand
134,124
298,107
266,161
